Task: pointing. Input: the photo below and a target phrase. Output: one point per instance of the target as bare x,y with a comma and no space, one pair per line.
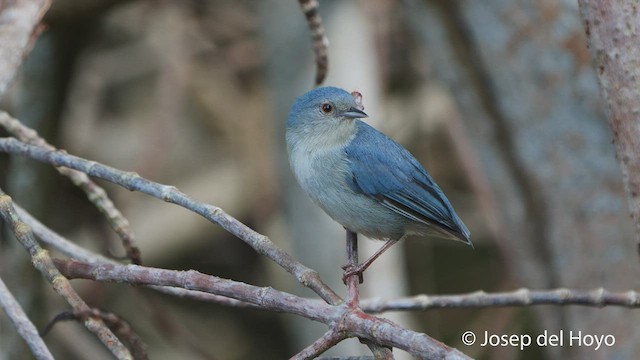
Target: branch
347,320
326,342
18,23
96,194
265,297
113,321
74,251
132,181
522,297
43,263
23,325
320,41
57,242
613,33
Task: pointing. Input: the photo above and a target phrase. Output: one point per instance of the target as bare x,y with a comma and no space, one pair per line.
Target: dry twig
521,297
319,39
74,251
113,321
324,343
43,263
23,325
96,194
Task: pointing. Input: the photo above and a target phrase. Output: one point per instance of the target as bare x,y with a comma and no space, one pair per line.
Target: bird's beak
354,113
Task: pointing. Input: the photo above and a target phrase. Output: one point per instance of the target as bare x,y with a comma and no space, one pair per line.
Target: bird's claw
350,270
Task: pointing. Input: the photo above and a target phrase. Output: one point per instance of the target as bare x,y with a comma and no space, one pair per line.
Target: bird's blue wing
384,170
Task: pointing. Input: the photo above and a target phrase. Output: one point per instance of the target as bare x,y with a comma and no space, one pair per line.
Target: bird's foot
350,270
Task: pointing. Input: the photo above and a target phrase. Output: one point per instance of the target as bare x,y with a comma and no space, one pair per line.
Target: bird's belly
366,216
324,180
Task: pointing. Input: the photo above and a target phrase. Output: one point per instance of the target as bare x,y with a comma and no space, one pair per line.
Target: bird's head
326,104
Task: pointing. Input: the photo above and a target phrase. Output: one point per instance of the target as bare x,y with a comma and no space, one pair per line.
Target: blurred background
497,99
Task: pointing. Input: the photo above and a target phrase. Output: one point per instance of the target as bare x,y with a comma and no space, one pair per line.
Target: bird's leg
359,269
352,281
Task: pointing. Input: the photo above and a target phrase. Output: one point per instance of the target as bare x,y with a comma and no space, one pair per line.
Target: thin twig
113,321
320,41
324,343
96,194
379,352
43,263
58,242
132,181
522,297
23,325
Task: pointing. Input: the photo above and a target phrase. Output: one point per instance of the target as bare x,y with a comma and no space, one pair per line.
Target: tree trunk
522,78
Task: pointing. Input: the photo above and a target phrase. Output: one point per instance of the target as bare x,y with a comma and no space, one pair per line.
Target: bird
360,177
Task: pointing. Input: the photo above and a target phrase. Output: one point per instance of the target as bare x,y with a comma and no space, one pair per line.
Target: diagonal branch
23,325
43,263
113,321
324,343
69,248
134,182
58,242
96,194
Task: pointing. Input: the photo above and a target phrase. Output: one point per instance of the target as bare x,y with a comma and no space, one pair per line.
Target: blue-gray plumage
361,178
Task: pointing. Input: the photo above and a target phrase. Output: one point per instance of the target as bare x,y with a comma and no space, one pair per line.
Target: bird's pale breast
322,173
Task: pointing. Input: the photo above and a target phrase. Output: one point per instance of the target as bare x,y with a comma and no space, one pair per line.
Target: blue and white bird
360,177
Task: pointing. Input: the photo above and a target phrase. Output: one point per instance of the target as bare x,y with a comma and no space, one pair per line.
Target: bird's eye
326,108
